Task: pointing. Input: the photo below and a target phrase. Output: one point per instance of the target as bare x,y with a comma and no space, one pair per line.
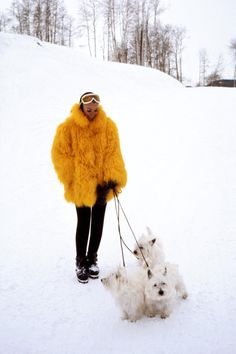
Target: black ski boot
92,267
81,270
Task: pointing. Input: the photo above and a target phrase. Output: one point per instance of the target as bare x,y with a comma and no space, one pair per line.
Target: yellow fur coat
87,153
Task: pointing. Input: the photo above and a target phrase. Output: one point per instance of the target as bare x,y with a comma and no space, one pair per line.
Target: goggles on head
89,98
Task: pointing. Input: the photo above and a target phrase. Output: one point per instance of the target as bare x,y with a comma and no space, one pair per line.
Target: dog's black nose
161,292
135,252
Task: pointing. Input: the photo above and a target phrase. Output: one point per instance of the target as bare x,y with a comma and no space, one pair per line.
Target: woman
88,161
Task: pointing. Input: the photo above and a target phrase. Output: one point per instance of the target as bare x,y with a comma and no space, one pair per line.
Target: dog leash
118,206
119,231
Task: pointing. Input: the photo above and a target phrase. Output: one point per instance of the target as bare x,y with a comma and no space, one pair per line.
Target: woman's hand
103,190
112,185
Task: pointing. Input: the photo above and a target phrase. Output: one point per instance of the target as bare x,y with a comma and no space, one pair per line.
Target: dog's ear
152,241
118,274
149,231
165,271
149,273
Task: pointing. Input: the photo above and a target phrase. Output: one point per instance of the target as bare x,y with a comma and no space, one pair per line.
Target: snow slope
180,152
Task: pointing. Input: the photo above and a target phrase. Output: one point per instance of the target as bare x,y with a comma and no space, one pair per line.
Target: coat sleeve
114,167
62,156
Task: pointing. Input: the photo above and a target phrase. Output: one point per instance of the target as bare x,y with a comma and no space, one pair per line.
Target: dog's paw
124,316
164,315
150,314
132,319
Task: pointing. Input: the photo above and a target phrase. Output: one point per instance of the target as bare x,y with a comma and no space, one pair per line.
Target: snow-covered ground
180,152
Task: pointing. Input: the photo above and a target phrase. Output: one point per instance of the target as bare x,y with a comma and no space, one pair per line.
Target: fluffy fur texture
150,247
163,284
87,153
146,292
128,293
150,292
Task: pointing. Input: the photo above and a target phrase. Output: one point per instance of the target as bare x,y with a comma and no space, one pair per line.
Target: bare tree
17,18
203,66
27,14
133,33
178,38
140,32
70,27
233,50
132,30
165,49
216,73
84,16
110,14
45,19
88,18
4,21
37,19
154,32
125,20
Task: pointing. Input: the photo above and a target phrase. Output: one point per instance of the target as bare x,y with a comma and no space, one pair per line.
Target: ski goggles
89,98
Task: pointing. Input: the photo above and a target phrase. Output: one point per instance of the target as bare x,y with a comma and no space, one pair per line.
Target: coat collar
80,119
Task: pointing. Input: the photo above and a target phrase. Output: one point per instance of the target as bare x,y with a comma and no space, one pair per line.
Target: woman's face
90,110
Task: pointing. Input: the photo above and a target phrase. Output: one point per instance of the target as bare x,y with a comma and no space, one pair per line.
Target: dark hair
80,100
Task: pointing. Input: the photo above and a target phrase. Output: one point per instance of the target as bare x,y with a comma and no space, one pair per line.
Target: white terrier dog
163,284
150,249
149,292
128,292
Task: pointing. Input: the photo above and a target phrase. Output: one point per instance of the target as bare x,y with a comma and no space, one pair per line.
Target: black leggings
89,219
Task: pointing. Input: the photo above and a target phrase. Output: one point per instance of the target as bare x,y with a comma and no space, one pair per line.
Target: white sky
210,24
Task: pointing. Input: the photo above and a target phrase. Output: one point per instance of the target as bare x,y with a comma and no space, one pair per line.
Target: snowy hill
180,152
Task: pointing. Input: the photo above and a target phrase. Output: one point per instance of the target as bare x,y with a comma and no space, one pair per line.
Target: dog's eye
141,247
163,284
117,276
155,285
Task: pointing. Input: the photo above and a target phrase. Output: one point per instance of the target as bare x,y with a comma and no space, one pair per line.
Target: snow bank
180,153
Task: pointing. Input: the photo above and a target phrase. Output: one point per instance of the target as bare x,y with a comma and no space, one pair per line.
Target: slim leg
82,232
98,214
